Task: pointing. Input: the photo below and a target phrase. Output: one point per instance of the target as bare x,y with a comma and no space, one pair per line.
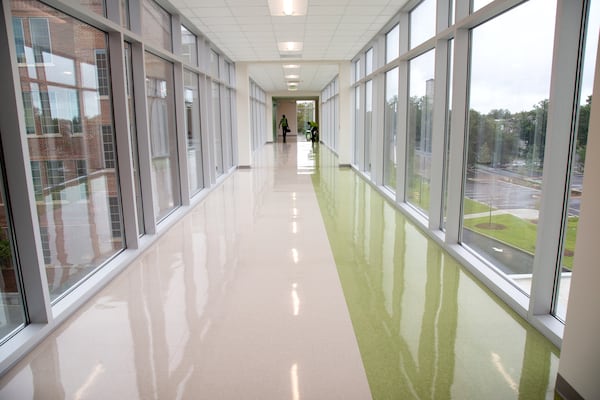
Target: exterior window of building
108,143
36,175
217,132
12,310
447,133
478,4
189,48
390,114
368,124
508,108
115,217
422,22
369,62
81,166
357,132
156,25
192,128
40,40
68,114
420,120
96,6
125,13
19,39
102,71
575,189
392,44
357,70
163,140
214,64
133,136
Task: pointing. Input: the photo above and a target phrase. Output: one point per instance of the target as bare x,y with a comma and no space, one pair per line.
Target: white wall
580,353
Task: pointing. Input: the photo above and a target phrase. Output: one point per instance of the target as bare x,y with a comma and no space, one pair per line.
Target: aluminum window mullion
26,229
560,139
123,139
440,104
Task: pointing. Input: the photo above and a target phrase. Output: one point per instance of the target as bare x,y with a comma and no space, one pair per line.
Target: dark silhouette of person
283,124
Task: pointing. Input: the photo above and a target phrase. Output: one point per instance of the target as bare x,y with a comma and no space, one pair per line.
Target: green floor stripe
425,327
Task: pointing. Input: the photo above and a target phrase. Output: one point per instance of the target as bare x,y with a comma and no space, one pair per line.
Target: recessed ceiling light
288,8
291,66
290,47
292,76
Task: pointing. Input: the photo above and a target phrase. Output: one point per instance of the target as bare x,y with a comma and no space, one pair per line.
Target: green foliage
5,254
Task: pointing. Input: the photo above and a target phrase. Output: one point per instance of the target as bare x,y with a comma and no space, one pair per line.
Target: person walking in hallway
283,124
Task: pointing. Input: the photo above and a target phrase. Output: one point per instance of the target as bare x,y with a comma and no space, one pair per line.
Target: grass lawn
474,207
521,233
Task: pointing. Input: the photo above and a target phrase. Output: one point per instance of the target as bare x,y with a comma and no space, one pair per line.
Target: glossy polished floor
291,280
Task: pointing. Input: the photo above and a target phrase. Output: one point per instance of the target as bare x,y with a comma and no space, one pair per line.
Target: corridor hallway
242,299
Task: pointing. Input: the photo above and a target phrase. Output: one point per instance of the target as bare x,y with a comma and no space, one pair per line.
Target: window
156,25
125,13
357,70
217,128
115,217
369,61
36,175
392,44
133,136
192,128
19,39
420,120
357,130
40,40
508,107
447,133
163,140
102,71
12,310
390,114
214,64
189,50
422,22
368,124
64,115
108,144
575,189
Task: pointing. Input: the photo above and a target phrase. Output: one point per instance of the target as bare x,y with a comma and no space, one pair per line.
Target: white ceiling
331,31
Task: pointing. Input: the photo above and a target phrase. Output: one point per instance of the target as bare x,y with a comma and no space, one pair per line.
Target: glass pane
392,44
214,64
420,120
163,140
218,148
12,310
368,124
124,13
390,129
477,4
578,159
357,132
422,23
192,128
71,144
96,6
134,141
156,25
506,137
447,132
369,62
356,70
189,50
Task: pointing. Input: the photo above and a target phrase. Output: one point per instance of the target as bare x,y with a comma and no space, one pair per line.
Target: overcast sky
511,55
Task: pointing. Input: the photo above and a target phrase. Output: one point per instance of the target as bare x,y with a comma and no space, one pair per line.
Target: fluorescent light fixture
292,76
291,66
288,8
290,47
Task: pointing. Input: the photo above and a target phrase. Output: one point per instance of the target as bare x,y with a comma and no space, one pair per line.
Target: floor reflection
426,329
